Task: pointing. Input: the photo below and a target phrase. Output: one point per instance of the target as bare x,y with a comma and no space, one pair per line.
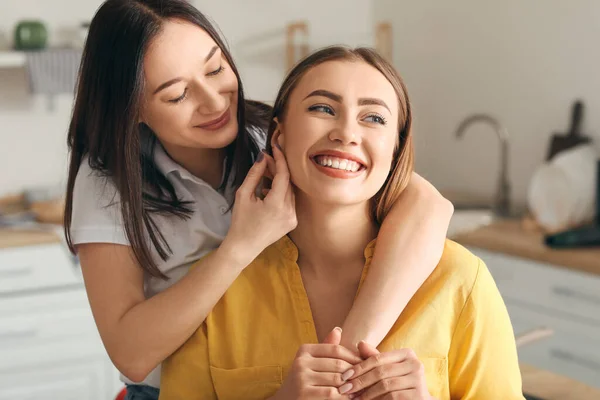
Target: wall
32,138
522,61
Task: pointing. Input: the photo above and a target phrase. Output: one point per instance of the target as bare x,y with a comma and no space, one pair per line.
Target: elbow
136,369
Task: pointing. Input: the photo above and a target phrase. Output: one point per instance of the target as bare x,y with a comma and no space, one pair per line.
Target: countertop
506,237
549,386
23,237
509,237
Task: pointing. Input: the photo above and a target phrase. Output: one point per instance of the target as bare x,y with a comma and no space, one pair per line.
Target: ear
278,137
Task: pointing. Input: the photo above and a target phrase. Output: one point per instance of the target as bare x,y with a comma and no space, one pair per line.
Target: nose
346,131
211,101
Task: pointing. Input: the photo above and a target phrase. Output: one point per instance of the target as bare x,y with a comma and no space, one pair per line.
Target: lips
218,122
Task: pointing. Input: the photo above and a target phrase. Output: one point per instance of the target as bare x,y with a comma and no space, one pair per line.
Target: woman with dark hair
162,141
273,336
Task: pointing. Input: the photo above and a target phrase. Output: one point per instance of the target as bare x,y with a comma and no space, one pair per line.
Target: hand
316,372
396,374
257,223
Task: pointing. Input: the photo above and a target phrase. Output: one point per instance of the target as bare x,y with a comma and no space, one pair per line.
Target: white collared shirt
96,218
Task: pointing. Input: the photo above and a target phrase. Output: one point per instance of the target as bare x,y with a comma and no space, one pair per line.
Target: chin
217,140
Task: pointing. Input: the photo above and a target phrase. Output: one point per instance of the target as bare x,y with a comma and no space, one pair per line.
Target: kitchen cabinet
49,343
539,294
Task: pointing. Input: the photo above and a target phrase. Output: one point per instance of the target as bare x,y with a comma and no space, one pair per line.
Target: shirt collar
168,166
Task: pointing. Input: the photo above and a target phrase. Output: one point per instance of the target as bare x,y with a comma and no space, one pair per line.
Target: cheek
229,82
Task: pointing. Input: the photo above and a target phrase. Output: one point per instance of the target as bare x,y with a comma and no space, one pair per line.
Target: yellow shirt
456,323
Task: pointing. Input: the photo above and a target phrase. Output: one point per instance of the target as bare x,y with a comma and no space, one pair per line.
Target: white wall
522,61
32,138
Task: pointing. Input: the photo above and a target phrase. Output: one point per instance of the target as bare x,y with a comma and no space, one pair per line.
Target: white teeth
346,165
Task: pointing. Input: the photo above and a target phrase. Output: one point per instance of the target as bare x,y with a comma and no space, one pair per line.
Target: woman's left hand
396,374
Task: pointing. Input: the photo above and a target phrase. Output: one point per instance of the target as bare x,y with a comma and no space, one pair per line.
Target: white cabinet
542,295
49,344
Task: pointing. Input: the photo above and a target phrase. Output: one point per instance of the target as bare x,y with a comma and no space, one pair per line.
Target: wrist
235,253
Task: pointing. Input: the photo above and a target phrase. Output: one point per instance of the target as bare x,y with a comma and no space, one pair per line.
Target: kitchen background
524,63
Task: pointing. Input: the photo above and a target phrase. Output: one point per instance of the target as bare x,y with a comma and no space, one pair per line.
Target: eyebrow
179,79
337,98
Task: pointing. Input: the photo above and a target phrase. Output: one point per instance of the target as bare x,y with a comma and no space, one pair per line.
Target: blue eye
378,119
322,108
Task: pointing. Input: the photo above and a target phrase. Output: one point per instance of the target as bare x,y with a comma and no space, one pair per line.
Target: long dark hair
104,125
403,159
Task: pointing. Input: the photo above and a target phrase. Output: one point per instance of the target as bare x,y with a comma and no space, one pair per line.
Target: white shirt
96,218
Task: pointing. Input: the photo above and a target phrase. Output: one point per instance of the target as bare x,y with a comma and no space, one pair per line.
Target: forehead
350,79
179,48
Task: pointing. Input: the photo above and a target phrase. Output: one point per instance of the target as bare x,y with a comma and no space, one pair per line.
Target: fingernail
337,328
347,375
260,157
345,388
278,146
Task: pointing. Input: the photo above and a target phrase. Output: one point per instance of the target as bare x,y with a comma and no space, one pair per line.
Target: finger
330,379
281,181
381,391
366,350
378,374
334,337
253,178
329,365
265,192
271,167
323,392
378,360
330,351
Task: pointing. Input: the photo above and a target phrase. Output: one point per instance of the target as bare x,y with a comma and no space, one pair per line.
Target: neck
206,164
329,237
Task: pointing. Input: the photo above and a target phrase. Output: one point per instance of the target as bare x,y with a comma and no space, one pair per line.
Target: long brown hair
104,124
403,159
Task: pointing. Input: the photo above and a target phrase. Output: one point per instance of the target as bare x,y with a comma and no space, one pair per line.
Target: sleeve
186,374
96,215
483,361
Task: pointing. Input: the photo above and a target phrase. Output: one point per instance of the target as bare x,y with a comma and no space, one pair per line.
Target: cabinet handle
16,272
575,359
568,292
22,334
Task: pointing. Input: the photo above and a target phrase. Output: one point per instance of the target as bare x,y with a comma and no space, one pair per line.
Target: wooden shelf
12,59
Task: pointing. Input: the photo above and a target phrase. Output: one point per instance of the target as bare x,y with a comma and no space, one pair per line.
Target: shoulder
459,270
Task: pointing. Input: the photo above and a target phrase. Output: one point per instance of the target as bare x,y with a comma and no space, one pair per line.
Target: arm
138,333
409,246
482,361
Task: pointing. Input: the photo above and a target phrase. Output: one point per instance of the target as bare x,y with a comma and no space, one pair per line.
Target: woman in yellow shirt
343,120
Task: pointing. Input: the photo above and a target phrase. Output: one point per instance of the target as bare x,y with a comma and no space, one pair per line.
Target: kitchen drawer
573,350
47,327
558,290
35,267
78,380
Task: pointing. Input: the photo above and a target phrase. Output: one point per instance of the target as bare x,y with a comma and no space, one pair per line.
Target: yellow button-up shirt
456,323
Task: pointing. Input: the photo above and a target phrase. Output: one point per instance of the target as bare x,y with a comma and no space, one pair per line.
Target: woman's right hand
257,223
316,372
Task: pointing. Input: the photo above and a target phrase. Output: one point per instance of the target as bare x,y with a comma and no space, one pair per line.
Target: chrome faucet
501,206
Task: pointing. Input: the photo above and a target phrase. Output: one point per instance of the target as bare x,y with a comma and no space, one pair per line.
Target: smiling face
340,131
191,92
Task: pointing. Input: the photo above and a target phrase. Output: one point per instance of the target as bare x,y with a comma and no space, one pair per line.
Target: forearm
153,329
409,246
